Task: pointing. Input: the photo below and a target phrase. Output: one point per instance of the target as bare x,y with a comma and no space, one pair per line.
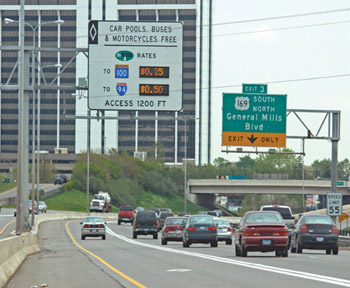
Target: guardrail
15,249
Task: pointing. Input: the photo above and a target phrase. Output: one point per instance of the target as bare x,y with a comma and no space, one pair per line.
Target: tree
344,169
322,169
245,166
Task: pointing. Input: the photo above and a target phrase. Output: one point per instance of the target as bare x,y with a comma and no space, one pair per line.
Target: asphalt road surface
120,261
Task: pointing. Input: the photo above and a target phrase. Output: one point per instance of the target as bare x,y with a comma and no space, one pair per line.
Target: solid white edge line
293,273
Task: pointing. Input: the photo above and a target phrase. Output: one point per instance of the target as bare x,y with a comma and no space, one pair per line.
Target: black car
315,232
146,223
162,216
200,229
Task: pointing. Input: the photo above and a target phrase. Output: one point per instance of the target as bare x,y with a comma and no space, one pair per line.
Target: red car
173,229
263,231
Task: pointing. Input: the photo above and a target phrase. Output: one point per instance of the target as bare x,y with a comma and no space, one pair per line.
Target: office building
66,67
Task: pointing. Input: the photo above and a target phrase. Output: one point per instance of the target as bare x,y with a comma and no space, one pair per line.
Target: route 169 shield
121,89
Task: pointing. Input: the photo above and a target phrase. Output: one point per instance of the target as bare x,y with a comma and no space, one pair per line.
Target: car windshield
222,222
264,218
93,219
201,220
318,220
285,212
165,215
175,221
125,208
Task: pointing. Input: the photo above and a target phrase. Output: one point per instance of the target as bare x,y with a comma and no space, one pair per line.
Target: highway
120,261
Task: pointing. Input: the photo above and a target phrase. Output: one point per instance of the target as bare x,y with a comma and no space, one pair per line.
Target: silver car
224,230
42,207
93,226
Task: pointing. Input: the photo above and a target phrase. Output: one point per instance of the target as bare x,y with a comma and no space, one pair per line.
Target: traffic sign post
135,65
334,204
252,119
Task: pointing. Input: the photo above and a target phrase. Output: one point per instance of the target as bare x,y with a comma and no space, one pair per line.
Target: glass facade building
65,67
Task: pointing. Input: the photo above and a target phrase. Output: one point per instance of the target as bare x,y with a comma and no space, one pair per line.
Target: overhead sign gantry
135,65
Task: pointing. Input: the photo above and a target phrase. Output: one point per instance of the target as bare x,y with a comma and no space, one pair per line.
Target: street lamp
40,70
185,160
59,22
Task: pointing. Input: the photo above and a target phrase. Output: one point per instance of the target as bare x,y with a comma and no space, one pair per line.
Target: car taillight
281,233
192,229
166,229
303,228
157,223
212,228
135,223
335,229
86,226
229,229
101,226
132,215
251,233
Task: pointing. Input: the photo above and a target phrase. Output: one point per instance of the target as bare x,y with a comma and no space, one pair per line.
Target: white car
42,207
224,230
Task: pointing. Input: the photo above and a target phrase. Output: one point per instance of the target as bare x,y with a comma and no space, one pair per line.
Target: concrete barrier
14,250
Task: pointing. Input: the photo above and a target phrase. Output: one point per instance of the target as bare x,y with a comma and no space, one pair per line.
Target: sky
286,55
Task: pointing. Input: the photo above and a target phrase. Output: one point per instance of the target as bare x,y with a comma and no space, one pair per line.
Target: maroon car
173,229
263,231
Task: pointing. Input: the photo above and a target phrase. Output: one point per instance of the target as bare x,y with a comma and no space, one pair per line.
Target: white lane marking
289,272
179,270
7,215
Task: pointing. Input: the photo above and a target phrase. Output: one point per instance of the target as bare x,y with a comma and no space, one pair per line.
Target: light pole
185,162
59,22
40,70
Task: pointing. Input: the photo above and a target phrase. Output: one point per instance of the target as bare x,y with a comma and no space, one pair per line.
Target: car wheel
185,244
299,248
237,250
119,222
278,253
82,237
229,242
214,244
164,242
285,252
244,252
155,236
103,237
335,250
134,235
328,251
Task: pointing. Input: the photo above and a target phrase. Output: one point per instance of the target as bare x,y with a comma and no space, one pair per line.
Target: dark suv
146,223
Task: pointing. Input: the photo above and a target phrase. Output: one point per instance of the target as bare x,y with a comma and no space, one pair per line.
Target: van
146,223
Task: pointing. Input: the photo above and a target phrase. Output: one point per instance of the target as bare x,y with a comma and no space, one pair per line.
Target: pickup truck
287,216
126,214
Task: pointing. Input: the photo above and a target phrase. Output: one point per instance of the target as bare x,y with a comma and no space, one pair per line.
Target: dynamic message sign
135,65
257,120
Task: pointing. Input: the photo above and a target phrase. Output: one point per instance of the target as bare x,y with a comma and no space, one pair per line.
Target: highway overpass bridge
204,191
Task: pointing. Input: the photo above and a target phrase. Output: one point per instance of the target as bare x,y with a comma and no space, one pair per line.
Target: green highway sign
254,120
254,88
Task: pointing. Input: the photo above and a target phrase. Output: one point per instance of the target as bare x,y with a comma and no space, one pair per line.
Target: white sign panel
135,65
334,204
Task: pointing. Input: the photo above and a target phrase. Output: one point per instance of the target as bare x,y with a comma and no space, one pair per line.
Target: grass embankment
7,186
75,200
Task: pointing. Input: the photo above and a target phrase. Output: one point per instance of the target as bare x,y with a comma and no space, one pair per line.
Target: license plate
93,230
202,228
145,229
266,242
319,239
178,231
